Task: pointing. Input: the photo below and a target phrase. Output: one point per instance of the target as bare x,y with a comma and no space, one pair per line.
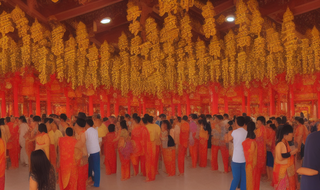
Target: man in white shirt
93,148
238,164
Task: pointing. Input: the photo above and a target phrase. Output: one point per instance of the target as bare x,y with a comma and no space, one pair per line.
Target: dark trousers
94,165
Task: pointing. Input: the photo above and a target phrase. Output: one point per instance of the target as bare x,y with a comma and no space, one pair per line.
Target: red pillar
38,111
172,107
108,108
260,100
272,104
49,109
179,110
116,106
188,104
139,110
90,105
248,103
279,103
3,105
102,109
243,106
292,110
226,106
15,99
161,106
68,107
30,107
214,100
129,105
144,107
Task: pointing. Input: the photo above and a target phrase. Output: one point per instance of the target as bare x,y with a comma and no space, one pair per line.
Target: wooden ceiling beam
218,9
28,10
89,7
306,7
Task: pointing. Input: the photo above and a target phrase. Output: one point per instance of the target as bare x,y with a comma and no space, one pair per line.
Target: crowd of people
67,151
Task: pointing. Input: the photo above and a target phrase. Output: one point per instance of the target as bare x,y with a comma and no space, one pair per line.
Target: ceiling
70,12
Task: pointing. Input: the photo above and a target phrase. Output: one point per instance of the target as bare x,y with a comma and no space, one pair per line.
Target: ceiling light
105,20
230,18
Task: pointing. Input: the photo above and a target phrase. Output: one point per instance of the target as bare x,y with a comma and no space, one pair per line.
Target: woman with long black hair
168,148
42,174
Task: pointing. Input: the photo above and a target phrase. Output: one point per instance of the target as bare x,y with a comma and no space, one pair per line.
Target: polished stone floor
194,179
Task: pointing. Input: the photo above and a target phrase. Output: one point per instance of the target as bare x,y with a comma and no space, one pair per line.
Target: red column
172,107
214,100
292,111
188,104
15,99
272,104
38,111
179,110
90,105
108,108
260,100
243,106
102,109
144,107
279,103
49,109
226,106
129,105
139,110
161,106
68,107
30,107
3,105
248,103
116,106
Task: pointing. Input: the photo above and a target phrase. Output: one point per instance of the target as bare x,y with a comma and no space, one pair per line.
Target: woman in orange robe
13,143
193,141
184,141
203,144
261,137
168,148
125,149
69,161
250,152
2,162
284,174
110,151
43,140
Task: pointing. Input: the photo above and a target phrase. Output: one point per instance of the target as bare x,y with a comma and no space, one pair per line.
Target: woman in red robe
13,143
250,152
261,137
284,174
193,141
184,141
110,148
125,149
168,148
203,144
2,162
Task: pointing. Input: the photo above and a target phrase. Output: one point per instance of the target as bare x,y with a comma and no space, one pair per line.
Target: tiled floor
194,179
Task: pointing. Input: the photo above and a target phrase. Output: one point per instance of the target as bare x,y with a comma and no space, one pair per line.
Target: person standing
261,138
203,143
63,123
300,137
23,129
110,150
13,143
250,149
2,162
168,148
68,169
284,174
125,149
43,140
270,146
100,127
238,164
194,140
93,148
310,170
183,145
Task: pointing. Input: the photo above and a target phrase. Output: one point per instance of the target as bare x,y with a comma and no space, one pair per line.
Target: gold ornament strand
19,18
225,72
70,61
92,72
83,44
208,14
105,53
116,80
311,62
201,63
43,52
304,54
57,48
186,4
242,62
242,13
135,80
230,52
166,6
14,52
125,64
316,47
271,67
259,57
181,77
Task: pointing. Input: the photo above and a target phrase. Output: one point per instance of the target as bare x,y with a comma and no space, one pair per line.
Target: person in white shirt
238,164
23,129
93,148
